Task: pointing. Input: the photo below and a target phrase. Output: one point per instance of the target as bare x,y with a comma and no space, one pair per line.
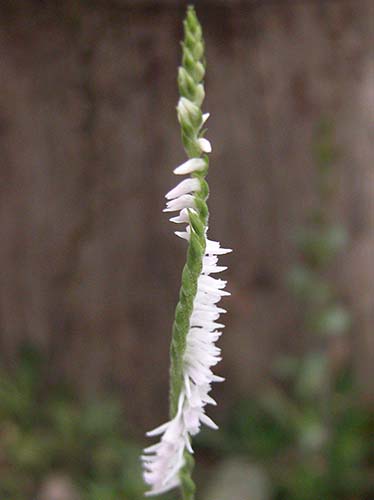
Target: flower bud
186,84
187,60
198,50
199,71
188,112
199,94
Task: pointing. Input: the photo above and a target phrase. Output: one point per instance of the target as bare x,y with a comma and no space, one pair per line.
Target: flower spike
168,464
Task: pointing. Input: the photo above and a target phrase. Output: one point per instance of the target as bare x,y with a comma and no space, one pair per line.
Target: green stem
190,78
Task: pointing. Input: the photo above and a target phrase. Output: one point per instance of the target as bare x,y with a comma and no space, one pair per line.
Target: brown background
89,266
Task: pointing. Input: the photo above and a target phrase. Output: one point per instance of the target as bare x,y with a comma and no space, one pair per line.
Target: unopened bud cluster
191,89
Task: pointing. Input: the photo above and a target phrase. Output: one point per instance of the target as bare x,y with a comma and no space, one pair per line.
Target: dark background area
89,265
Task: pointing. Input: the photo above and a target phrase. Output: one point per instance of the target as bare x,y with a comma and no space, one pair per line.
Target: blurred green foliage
307,456
308,428
45,431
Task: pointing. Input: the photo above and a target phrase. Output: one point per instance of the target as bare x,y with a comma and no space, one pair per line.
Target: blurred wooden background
89,265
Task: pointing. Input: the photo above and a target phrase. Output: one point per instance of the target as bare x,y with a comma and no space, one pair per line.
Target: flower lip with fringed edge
193,354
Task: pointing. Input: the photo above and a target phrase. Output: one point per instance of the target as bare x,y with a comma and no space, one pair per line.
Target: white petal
214,247
184,201
183,216
179,219
158,430
182,234
205,117
214,282
205,145
208,421
187,385
190,166
152,449
213,269
204,307
213,290
176,467
184,187
188,446
163,461
210,400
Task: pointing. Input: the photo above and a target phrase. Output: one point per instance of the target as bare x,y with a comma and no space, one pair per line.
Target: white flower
205,145
190,166
184,187
184,201
163,461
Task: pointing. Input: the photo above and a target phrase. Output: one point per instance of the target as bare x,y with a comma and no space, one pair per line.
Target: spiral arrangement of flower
168,464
